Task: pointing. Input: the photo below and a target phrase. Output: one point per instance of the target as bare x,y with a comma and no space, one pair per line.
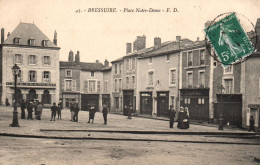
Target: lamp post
16,72
221,120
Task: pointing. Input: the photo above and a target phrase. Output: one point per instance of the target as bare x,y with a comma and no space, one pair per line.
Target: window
172,77
92,85
32,76
189,58
46,60
228,84
187,101
45,43
120,85
133,81
68,73
120,68
150,80
201,79
150,60
168,57
201,101
17,40
127,82
116,87
92,73
68,85
228,69
127,64
202,57
133,63
20,76
115,68
18,59
31,42
32,59
46,76
189,78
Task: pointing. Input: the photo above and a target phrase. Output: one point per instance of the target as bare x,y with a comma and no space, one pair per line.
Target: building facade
106,87
38,59
81,82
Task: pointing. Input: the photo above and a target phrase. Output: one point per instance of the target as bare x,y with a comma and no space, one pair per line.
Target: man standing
23,106
53,111
30,110
76,112
252,124
59,111
105,111
171,116
130,111
39,111
71,111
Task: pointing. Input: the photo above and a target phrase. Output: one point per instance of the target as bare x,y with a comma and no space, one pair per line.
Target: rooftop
86,66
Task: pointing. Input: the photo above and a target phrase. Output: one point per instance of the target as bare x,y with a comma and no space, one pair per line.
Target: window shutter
42,60
73,85
28,58
21,59
28,76
98,86
63,84
49,60
43,76
35,76
36,59
21,76
49,76
14,58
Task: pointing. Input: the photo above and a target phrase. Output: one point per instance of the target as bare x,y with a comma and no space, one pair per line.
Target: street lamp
16,72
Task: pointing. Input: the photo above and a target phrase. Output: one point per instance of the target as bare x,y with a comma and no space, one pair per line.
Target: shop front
253,110
163,103
146,103
128,99
87,100
197,102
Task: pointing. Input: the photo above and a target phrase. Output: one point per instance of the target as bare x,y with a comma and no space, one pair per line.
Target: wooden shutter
21,59
43,76
42,60
28,76
63,85
49,60
73,85
49,76
21,75
14,58
98,86
28,59
86,86
35,76
36,59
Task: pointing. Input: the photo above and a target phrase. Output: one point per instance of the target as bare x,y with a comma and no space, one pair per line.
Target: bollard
220,122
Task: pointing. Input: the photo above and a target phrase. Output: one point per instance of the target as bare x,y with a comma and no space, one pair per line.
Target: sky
103,35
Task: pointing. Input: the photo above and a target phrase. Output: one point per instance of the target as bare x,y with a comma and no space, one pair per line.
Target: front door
88,100
162,103
146,103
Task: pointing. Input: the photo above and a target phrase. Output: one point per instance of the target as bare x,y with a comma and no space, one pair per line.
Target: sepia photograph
117,82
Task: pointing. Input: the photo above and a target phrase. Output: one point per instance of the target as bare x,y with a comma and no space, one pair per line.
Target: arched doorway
32,94
46,97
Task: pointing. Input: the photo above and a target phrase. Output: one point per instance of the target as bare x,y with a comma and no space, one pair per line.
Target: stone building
158,77
38,58
81,82
106,85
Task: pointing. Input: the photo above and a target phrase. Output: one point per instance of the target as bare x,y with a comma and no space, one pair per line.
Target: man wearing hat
54,109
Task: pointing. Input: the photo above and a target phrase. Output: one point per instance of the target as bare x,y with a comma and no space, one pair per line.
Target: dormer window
45,43
17,40
31,42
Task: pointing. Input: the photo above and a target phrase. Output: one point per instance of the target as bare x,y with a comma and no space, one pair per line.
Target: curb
120,139
156,132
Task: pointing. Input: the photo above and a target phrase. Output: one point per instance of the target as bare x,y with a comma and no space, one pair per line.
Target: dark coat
172,114
105,110
54,108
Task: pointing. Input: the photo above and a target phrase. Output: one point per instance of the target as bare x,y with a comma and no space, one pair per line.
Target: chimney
128,48
208,23
157,42
178,38
77,58
2,35
135,45
55,38
71,56
141,42
8,34
198,39
257,29
106,63
97,61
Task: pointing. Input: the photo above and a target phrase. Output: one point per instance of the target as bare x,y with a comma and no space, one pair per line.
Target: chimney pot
198,39
97,61
77,57
128,48
55,38
71,56
8,34
106,63
178,38
140,42
157,42
2,35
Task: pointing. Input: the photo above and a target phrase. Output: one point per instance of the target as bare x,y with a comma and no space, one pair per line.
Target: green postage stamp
229,40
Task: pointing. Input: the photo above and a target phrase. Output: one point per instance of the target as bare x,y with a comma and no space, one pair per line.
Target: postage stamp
229,40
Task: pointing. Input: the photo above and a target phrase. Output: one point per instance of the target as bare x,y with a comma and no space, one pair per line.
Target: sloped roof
26,31
82,65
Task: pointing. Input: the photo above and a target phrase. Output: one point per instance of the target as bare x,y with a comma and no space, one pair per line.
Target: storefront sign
32,84
146,94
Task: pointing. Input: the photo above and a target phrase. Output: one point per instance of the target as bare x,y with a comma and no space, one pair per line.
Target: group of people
31,106
183,117
129,111
54,110
74,111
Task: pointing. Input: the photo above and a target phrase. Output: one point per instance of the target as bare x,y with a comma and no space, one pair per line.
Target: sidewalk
119,127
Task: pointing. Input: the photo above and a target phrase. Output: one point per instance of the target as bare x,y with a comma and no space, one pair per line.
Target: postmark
229,40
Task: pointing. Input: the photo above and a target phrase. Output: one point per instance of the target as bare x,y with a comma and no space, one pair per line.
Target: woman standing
59,111
39,111
92,112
